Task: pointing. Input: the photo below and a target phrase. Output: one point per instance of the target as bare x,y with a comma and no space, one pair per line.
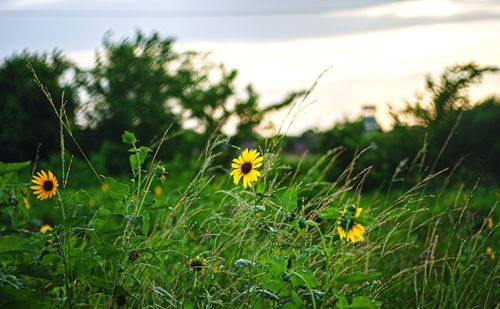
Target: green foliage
289,199
6,168
116,189
131,240
142,84
434,134
27,125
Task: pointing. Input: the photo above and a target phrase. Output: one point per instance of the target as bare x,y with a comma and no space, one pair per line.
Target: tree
26,118
446,94
144,86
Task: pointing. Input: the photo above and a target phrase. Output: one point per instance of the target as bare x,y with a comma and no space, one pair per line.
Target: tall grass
274,245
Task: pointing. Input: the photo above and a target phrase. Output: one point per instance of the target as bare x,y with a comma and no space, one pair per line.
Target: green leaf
341,300
110,224
82,197
357,277
302,275
261,188
330,213
117,190
276,264
14,298
74,222
35,270
289,199
366,220
14,244
360,302
138,158
129,138
309,251
6,168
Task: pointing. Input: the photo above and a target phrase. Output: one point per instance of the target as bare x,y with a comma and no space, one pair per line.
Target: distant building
369,121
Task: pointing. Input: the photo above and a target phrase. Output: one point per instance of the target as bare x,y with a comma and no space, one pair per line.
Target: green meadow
140,212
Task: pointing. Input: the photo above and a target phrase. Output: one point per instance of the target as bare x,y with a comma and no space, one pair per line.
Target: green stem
61,204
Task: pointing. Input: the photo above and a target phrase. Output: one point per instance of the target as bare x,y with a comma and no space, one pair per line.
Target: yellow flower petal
244,155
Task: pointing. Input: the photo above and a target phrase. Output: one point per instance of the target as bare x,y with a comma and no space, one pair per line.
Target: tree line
143,85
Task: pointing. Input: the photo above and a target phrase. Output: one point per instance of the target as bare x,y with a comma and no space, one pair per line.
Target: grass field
182,234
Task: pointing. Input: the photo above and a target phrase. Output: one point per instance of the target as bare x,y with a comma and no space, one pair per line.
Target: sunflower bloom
45,185
348,228
197,264
44,228
245,166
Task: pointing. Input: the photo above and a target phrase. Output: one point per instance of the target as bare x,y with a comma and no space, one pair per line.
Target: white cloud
26,4
375,67
421,8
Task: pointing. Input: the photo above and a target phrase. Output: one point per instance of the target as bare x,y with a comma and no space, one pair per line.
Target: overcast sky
378,51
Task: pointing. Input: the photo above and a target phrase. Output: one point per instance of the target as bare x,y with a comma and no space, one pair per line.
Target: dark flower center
196,264
47,185
246,167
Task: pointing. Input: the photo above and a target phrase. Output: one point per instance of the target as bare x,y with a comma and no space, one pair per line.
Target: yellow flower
45,185
197,264
245,166
105,187
490,222
490,252
44,228
158,191
348,228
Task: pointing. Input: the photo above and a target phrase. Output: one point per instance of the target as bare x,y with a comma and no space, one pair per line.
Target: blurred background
407,81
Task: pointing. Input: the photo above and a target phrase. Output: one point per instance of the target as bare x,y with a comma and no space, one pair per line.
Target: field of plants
161,217
262,230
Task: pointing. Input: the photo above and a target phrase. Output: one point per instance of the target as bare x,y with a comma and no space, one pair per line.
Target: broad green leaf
138,158
261,188
330,213
301,276
6,168
109,224
360,302
117,190
357,277
14,298
74,222
14,244
365,220
129,138
34,270
276,264
289,199
81,197
292,302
